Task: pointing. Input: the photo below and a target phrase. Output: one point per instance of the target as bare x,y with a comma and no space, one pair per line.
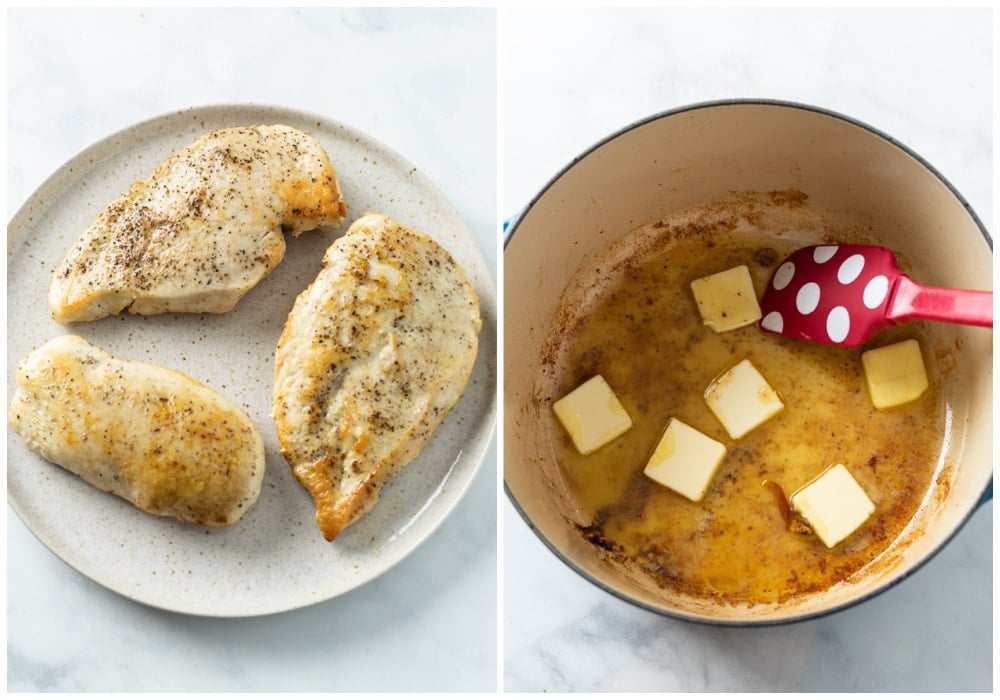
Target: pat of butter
895,373
742,399
834,504
727,300
592,415
685,460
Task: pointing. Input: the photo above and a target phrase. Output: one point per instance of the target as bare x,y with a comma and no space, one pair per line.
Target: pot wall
700,155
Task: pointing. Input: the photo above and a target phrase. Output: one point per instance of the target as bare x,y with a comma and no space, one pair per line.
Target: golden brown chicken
153,436
203,229
373,356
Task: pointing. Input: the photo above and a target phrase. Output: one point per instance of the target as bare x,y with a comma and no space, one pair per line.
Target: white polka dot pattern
783,275
850,269
838,324
807,299
823,253
875,291
830,293
773,322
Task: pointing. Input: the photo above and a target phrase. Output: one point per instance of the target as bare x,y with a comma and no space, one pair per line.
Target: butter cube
727,300
834,504
742,399
895,373
592,415
685,460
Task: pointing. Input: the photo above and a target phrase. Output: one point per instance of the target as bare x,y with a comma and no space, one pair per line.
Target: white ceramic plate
274,558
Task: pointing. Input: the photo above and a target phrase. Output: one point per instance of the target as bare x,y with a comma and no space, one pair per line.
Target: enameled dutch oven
681,159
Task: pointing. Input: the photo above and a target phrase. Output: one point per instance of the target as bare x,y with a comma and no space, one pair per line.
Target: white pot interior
694,157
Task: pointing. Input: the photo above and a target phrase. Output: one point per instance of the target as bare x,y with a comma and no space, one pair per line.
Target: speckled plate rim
301,569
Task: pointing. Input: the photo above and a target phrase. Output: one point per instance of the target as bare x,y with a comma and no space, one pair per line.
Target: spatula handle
912,301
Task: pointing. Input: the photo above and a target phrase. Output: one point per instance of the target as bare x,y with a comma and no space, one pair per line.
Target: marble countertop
421,81
572,78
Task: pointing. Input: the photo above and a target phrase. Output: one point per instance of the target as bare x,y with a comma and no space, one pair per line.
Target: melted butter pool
643,333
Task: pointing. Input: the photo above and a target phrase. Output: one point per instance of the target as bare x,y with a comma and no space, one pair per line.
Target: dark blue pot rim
510,230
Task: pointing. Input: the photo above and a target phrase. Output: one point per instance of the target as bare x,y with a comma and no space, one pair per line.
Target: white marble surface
570,79
423,82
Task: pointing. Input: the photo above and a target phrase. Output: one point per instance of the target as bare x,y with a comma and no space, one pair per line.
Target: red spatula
845,294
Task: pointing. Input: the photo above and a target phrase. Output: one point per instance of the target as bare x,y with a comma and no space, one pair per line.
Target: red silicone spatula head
845,294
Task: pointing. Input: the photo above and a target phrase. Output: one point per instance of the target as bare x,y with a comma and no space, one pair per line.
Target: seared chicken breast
203,229
153,436
373,356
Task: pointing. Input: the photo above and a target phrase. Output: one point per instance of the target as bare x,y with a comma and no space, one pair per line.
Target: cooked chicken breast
203,229
373,356
153,436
